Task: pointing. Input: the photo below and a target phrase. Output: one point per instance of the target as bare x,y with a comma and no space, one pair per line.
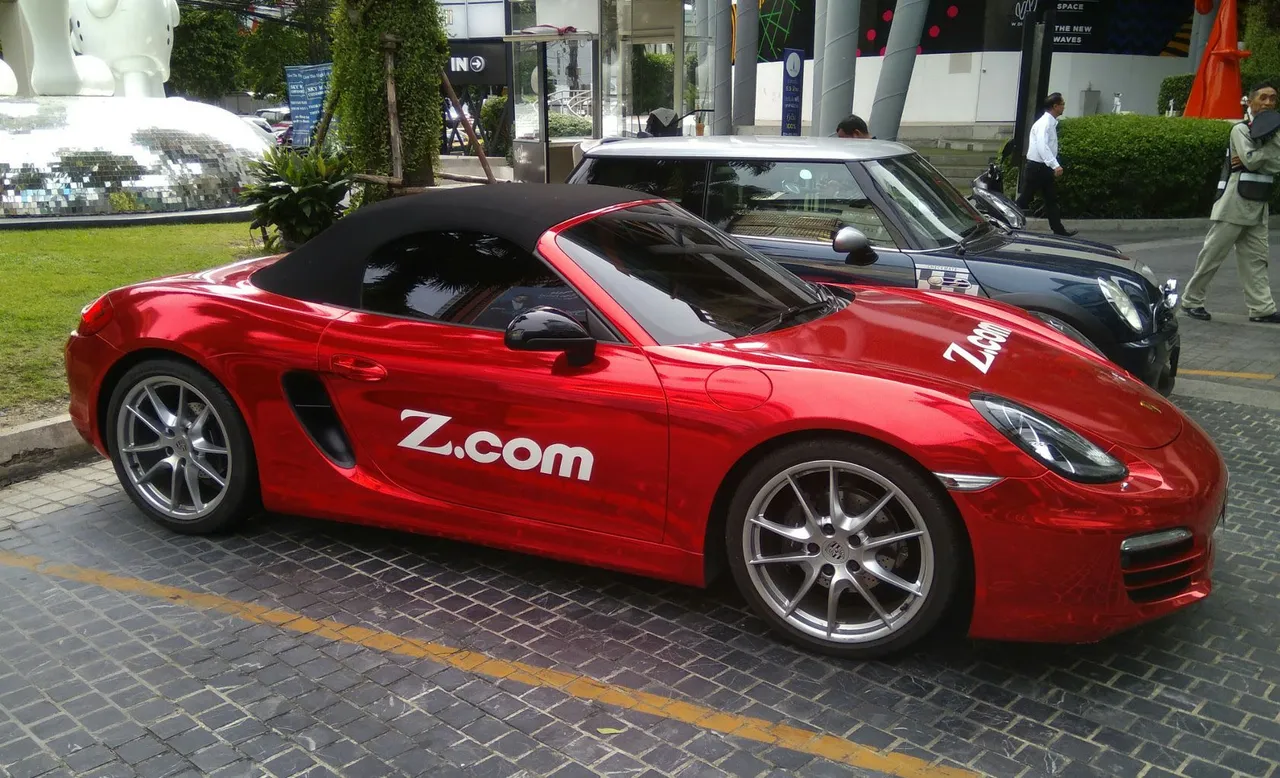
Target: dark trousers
1039,177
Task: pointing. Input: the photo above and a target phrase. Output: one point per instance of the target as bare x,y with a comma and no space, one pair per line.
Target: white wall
983,86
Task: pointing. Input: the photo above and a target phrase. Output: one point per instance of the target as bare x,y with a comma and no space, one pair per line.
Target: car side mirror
547,329
856,247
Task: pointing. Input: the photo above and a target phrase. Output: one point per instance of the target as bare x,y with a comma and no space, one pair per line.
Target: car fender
1065,309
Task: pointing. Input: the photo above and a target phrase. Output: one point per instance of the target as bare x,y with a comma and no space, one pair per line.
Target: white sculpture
134,38
86,47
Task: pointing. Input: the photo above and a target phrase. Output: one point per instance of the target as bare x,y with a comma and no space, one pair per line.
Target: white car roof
770,147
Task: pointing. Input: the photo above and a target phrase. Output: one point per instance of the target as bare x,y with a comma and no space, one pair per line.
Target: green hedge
1137,167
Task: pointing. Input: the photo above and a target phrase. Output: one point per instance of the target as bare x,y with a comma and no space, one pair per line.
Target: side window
681,182
469,279
796,200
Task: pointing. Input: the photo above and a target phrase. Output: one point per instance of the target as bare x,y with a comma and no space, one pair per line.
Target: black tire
240,498
949,550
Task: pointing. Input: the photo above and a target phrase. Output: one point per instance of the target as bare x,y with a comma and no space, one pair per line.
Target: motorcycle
989,198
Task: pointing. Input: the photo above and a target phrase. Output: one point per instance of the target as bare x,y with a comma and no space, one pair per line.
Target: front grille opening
1155,574
1151,556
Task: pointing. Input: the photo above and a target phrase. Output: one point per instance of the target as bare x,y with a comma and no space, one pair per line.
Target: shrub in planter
497,129
1137,167
299,193
566,125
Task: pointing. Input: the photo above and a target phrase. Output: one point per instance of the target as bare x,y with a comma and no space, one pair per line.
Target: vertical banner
307,86
792,90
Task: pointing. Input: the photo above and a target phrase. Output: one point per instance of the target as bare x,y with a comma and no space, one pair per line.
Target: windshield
686,282
936,214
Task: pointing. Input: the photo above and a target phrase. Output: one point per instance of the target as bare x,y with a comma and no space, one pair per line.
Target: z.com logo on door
486,448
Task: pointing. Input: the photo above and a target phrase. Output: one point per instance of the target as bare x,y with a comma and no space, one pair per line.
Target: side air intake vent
311,404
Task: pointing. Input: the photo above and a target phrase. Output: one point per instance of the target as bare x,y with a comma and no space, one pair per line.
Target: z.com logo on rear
486,448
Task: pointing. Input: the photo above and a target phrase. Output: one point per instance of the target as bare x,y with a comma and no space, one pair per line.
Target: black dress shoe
1270,318
1197,313
1067,233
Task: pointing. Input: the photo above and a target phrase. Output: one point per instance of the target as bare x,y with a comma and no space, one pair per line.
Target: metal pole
722,119
899,63
840,59
746,53
819,49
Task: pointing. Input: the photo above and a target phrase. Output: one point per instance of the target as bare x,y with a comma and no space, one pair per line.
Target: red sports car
577,372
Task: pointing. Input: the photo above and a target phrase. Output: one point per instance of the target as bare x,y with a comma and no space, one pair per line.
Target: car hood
894,334
1033,249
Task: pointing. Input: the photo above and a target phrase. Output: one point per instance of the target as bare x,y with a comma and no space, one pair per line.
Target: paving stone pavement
98,682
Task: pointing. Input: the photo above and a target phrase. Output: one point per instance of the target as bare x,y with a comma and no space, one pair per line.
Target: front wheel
844,548
180,448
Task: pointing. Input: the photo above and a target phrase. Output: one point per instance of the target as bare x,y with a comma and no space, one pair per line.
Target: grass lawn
47,276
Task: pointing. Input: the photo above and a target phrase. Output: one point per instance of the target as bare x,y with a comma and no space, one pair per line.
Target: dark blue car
873,212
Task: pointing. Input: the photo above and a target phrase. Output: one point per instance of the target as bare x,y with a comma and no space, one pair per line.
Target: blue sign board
307,85
792,90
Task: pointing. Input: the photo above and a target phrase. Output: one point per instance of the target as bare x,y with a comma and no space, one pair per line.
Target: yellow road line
760,730
1228,374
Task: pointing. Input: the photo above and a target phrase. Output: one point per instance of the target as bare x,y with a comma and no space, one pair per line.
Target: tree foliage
359,79
267,50
206,54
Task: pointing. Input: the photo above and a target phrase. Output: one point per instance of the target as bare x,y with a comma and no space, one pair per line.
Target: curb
1135,225
242,213
29,450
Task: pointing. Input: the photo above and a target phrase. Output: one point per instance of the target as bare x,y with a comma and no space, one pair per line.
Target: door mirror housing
548,329
855,245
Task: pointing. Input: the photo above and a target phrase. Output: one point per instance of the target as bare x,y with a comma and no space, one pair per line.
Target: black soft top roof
330,267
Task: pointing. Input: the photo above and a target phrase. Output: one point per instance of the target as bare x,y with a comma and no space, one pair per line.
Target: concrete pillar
746,53
702,22
899,63
1201,29
839,60
816,128
722,32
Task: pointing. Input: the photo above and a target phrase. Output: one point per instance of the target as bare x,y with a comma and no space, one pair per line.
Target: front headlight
1121,302
1050,443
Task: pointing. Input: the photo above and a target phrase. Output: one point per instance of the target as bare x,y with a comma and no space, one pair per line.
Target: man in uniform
1240,215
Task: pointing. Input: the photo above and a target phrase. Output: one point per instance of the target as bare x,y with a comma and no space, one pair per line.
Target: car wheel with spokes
844,547
181,448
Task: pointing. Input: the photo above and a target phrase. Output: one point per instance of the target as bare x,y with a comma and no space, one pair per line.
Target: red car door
425,384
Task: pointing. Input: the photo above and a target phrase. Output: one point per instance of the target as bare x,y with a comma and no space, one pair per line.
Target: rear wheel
844,548
181,448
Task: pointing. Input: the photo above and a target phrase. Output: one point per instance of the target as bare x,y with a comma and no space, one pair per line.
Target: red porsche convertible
577,372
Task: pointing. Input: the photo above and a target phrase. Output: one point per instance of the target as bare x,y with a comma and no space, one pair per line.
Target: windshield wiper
971,234
789,314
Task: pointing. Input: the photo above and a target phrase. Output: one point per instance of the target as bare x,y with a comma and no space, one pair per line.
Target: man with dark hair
1042,169
852,126
1240,216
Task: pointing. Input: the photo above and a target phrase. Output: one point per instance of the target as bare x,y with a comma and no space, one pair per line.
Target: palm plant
298,193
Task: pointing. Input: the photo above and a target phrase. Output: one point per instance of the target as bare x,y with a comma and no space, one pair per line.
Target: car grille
1154,574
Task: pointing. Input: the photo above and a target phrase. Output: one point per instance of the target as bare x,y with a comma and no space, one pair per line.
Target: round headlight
1050,443
1121,303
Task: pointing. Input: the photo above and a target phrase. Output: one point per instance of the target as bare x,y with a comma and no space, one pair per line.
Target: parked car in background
872,212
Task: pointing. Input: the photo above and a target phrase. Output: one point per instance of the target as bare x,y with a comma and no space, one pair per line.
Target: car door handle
356,368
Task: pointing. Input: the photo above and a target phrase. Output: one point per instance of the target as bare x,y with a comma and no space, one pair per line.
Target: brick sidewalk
103,676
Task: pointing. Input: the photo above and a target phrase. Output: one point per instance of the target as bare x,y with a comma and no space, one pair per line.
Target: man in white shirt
1042,168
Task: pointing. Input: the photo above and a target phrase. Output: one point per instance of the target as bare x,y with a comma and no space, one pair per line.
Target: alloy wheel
174,448
838,551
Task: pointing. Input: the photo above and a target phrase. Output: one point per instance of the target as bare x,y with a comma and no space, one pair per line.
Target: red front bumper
1047,551
87,361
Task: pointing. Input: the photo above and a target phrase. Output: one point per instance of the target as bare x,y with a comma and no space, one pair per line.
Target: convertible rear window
683,280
